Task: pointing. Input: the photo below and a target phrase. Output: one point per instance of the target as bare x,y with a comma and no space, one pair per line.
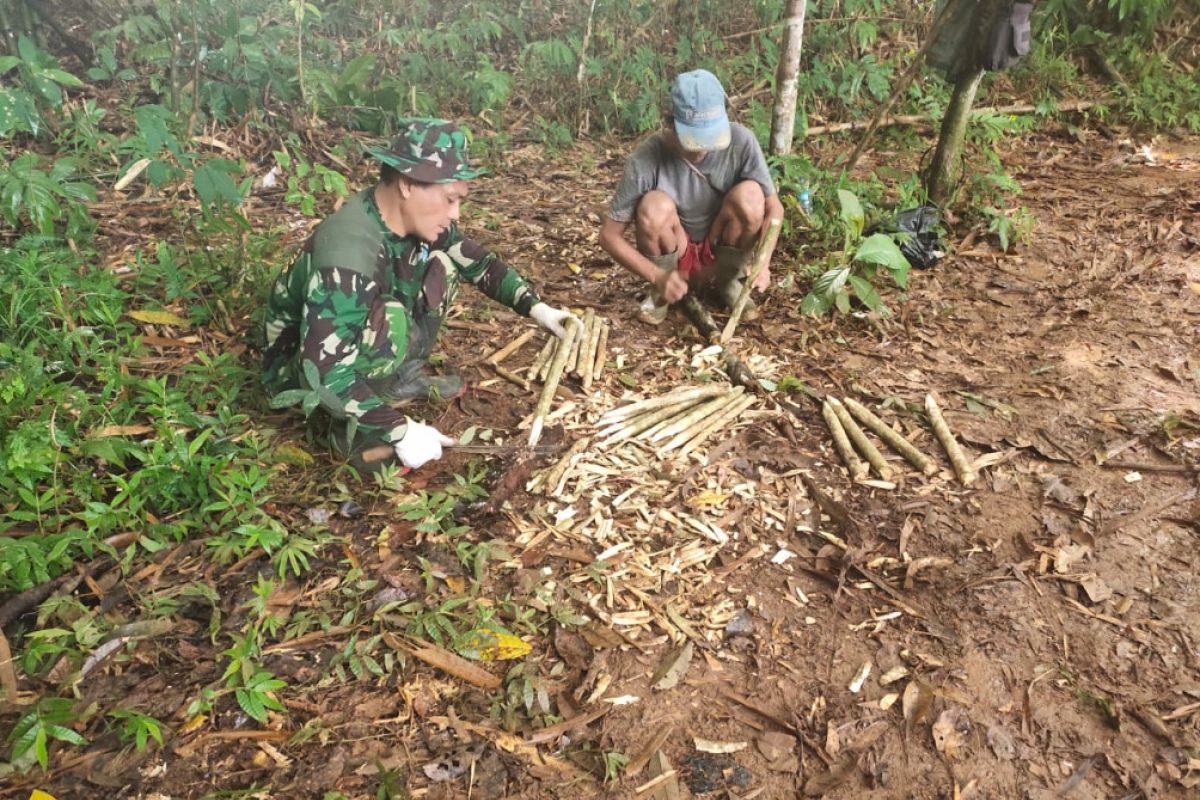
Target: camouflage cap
429,151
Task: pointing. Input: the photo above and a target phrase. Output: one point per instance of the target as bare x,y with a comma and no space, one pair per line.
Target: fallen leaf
1097,590
915,703
831,778
668,787
673,669
863,740
122,430
775,744
950,730
159,318
486,644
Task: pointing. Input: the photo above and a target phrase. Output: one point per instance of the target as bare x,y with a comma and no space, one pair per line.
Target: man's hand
670,286
421,444
551,318
763,280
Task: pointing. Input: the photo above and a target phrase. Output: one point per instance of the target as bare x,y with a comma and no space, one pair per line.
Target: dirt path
1042,622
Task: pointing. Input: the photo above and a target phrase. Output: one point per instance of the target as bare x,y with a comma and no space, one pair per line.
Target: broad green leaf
831,282
865,292
814,305
7,63
62,77
289,397
842,301
852,212
880,249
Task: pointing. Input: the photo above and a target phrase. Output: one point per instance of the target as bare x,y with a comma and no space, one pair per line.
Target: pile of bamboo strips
585,357
843,418
679,421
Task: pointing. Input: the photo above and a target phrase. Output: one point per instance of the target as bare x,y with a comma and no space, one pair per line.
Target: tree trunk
783,117
946,167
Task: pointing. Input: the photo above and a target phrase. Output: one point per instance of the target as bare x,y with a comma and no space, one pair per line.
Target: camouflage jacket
353,279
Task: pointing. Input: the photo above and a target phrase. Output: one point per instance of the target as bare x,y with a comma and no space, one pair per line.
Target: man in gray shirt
697,193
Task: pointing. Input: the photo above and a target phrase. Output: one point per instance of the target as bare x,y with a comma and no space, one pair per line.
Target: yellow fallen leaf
193,724
159,318
707,499
598,275
1195,287
571,265
122,430
291,454
38,794
488,645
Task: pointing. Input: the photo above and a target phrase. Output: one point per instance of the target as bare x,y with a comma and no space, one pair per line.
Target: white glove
421,444
551,318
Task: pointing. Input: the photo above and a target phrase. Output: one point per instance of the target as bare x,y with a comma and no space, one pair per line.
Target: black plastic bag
922,244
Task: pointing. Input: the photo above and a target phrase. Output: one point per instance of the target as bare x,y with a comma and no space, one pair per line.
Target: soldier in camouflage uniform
356,315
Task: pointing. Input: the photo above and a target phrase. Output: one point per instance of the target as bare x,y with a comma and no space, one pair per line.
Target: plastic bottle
804,196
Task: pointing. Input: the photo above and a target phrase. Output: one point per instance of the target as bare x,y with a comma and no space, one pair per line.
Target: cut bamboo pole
953,451
857,469
676,397
718,422
860,440
511,377
585,344
543,356
588,367
696,414
573,356
552,379
633,427
601,352
544,369
511,347
668,421
697,420
762,256
894,440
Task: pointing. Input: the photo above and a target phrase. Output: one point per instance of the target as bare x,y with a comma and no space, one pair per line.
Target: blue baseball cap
698,108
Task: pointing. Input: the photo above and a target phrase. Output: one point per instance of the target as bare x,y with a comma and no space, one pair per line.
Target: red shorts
696,256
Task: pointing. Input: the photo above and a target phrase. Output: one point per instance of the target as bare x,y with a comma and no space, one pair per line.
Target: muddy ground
1032,635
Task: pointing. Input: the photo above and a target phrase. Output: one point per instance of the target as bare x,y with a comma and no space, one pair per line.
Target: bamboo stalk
645,421
858,470
953,451
551,386
697,413
588,367
762,257
555,345
682,412
585,342
573,356
601,352
698,422
715,424
860,440
543,356
894,440
676,397
511,347
511,377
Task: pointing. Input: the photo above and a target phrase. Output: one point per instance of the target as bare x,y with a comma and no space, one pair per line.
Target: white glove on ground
551,318
421,444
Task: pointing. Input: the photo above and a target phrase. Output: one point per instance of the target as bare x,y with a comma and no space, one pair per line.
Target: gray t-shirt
697,189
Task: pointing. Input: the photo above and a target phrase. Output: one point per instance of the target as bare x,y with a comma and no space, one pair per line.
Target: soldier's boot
413,382
653,310
727,281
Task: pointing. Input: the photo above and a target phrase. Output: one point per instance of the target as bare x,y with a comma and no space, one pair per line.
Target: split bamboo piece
555,346
543,357
695,414
601,352
894,440
674,398
716,423
553,475
588,367
679,413
511,347
552,379
510,376
858,470
860,440
585,342
953,451
762,256
698,420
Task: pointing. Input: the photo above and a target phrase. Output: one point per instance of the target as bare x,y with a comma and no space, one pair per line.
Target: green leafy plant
48,721
45,194
136,727
38,87
857,267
